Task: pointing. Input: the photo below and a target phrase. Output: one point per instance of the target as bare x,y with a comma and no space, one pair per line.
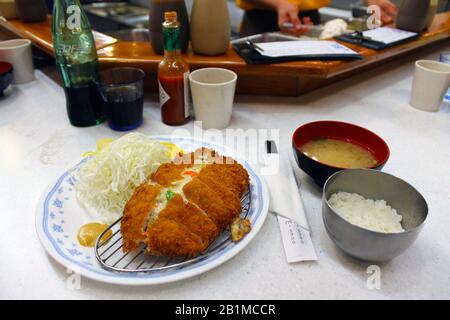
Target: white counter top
37,144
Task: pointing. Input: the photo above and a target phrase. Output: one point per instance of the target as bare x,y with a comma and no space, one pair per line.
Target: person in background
272,15
444,5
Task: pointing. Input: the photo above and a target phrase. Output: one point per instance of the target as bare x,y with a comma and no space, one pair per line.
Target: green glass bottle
76,59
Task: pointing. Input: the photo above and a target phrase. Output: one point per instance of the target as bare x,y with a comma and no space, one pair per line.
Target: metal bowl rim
325,200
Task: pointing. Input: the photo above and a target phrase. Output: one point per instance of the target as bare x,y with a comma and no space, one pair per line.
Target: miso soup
339,153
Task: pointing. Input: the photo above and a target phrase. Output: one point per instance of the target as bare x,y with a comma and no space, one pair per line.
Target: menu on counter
388,35
313,48
292,50
379,38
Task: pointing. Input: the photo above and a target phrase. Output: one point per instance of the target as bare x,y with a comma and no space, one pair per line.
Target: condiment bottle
77,63
156,18
431,13
173,75
210,27
31,10
412,15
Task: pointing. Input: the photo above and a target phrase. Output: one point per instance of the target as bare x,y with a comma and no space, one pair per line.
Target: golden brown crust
186,228
210,202
232,176
135,215
229,198
167,237
168,173
191,217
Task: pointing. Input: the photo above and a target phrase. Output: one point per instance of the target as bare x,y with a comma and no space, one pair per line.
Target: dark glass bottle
76,59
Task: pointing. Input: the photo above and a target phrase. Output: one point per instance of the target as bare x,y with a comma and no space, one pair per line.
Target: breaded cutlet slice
135,215
186,228
232,176
167,237
210,202
228,171
168,173
191,217
229,198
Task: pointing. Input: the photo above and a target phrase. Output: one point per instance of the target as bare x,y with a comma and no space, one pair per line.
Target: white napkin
286,203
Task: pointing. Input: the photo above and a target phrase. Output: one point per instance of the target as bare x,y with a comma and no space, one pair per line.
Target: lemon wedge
101,144
172,150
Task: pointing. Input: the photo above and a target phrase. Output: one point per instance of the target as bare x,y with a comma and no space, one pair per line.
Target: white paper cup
430,83
18,53
213,95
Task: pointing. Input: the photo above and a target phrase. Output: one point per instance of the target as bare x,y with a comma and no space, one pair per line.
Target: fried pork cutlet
210,202
189,215
230,199
136,213
232,176
168,173
184,206
168,237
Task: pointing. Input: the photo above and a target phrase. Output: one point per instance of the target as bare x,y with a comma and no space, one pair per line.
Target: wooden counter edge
290,78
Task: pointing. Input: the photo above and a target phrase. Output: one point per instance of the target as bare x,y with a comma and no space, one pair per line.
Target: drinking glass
122,92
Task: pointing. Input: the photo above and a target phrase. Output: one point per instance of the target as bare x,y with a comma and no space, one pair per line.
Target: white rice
375,215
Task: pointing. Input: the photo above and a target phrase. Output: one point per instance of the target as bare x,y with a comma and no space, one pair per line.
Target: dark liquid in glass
84,106
123,114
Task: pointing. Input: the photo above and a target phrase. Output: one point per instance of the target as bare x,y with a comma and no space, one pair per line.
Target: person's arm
388,9
287,12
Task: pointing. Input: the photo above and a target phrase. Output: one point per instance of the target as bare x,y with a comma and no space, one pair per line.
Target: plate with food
145,210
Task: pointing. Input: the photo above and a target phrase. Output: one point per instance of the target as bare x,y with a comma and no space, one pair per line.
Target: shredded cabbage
107,180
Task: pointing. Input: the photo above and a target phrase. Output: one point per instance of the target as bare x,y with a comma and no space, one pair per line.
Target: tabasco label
174,97
163,95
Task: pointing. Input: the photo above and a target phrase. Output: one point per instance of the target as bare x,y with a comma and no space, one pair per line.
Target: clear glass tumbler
122,92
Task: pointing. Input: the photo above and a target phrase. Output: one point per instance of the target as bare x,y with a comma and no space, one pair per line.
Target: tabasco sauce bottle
173,75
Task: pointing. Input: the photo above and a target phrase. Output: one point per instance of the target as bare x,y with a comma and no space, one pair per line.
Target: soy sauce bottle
173,75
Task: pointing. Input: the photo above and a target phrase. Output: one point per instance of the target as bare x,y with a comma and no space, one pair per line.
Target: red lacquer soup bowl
319,171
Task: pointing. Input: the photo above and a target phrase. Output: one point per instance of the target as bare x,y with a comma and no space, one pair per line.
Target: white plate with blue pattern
59,216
